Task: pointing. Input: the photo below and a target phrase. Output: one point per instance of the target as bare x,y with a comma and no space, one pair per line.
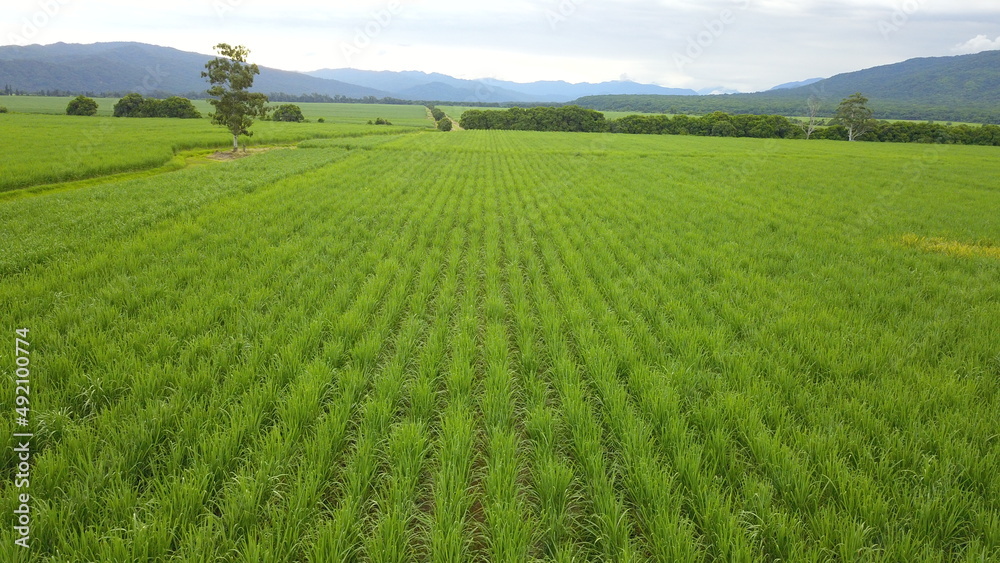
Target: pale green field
511,346
41,148
408,115
455,112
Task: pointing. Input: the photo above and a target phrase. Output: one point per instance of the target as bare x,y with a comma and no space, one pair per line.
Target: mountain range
924,88
122,67
137,67
413,85
958,88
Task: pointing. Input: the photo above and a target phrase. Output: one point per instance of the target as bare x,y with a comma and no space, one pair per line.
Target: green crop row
513,346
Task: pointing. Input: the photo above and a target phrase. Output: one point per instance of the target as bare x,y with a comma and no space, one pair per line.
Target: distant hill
415,85
121,67
716,90
933,81
560,91
131,67
788,85
959,88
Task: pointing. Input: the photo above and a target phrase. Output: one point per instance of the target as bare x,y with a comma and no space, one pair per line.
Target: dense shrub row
566,118
436,113
720,124
135,105
441,118
909,132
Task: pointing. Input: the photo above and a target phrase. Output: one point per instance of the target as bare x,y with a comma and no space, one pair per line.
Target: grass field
358,114
41,149
455,112
512,346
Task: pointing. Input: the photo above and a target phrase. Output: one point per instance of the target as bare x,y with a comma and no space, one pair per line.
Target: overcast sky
745,45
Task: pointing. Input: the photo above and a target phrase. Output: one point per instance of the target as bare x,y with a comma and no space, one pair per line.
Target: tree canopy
231,77
81,105
134,105
567,118
288,112
854,114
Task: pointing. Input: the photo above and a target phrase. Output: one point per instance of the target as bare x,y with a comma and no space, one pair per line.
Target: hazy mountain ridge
138,67
960,88
961,79
957,88
798,84
436,86
118,67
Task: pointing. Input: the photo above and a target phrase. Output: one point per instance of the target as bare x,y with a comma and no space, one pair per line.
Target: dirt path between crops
454,122
224,156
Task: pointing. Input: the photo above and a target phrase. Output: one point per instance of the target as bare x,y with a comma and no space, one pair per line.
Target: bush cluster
288,112
135,105
81,105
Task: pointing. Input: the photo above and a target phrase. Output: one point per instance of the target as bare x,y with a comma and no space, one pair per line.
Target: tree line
443,121
779,105
566,118
721,124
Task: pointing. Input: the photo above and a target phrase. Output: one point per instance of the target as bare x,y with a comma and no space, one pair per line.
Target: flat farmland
42,149
515,346
455,112
410,115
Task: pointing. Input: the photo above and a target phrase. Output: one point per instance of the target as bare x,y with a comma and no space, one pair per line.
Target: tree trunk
236,143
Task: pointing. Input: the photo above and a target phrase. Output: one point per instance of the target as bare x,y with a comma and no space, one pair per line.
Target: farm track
506,347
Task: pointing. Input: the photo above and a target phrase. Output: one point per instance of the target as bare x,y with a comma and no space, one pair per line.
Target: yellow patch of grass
952,247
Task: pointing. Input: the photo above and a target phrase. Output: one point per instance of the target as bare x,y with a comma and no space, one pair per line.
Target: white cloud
977,44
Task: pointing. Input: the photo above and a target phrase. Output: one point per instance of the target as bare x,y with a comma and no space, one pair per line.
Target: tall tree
854,115
810,127
231,77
